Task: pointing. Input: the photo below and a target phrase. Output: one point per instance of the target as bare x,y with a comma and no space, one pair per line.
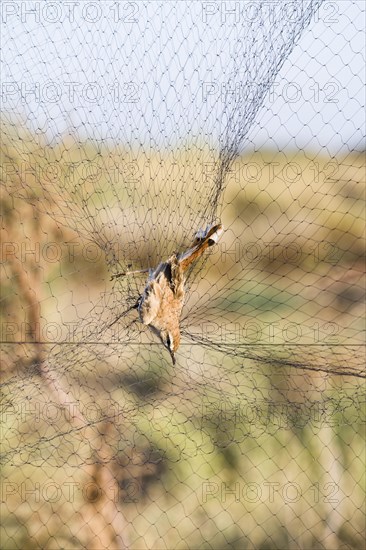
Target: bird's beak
172,356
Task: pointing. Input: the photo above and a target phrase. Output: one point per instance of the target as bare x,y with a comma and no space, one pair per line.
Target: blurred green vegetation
219,452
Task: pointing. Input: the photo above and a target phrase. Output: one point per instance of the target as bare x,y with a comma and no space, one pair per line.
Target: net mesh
127,127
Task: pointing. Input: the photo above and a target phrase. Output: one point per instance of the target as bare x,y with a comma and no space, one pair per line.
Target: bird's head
171,341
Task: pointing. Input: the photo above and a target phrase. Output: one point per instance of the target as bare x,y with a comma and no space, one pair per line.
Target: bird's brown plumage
162,300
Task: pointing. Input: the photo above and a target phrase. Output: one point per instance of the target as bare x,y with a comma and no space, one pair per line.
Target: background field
230,448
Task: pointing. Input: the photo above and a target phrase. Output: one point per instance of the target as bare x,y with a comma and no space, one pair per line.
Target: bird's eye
169,342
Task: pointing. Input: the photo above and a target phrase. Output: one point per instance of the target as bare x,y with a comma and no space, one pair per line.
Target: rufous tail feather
210,238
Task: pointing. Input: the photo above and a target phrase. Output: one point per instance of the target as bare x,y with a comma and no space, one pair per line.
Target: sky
164,74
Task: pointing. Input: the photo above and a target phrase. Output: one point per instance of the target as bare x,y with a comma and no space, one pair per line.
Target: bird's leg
124,273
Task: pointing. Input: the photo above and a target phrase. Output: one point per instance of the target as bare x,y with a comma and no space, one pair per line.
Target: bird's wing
150,302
